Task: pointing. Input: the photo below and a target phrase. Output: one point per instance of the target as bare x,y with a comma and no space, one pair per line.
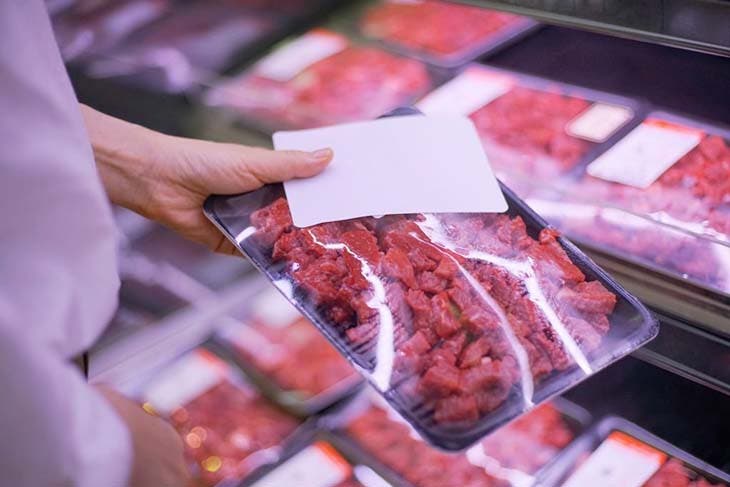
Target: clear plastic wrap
227,427
461,321
337,82
186,48
512,456
92,26
274,343
532,127
442,33
617,449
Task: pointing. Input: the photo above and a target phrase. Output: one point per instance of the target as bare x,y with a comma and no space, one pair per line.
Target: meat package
512,456
532,127
461,321
274,343
186,48
679,223
442,33
317,462
617,452
320,79
91,26
227,427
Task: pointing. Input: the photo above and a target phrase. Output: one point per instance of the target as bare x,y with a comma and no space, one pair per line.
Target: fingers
269,166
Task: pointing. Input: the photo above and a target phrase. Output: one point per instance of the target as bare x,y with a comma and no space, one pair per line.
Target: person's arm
167,178
64,433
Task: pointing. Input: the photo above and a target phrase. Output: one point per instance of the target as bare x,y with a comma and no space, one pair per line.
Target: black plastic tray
564,467
638,107
632,324
291,401
578,420
349,22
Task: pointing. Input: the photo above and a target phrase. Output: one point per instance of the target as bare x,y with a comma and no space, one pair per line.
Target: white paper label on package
318,465
396,165
620,460
466,93
293,57
644,154
183,381
599,122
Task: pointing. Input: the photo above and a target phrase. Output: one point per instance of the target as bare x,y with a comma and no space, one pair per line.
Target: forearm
126,156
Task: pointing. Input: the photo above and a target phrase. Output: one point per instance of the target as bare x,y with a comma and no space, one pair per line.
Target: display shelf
687,414
690,352
699,25
122,362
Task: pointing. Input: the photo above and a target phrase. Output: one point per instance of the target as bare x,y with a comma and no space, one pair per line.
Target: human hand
157,449
168,178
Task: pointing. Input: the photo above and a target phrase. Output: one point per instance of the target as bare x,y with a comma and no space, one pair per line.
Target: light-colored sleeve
57,430
58,278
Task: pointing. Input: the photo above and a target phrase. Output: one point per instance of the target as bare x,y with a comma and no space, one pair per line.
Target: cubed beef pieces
456,409
271,221
587,297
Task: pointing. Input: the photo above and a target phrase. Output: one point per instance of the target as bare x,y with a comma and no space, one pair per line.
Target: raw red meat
526,445
296,357
224,427
470,327
357,83
693,194
435,27
623,232
523,132
674,474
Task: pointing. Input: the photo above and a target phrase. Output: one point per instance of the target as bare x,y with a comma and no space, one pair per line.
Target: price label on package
184,380
620,460
293,57
599,122
645,153
466,93
318,465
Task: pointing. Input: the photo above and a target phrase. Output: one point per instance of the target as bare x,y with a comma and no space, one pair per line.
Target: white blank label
619,461
599,122
397,165
317,465
644,154
292,58
466,93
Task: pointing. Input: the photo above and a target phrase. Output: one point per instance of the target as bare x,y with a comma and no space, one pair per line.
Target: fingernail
322,155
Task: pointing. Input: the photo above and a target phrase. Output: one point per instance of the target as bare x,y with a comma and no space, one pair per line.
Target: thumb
272,166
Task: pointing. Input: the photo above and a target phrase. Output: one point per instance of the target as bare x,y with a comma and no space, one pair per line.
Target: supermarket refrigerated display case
676,387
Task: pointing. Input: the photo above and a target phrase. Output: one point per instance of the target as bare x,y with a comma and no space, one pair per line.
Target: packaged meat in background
531,127
675,170
617,452
637,239
442,33
461,321
660,196
511,456
89,27
274,343
319,79
189,46
227,427
318,463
